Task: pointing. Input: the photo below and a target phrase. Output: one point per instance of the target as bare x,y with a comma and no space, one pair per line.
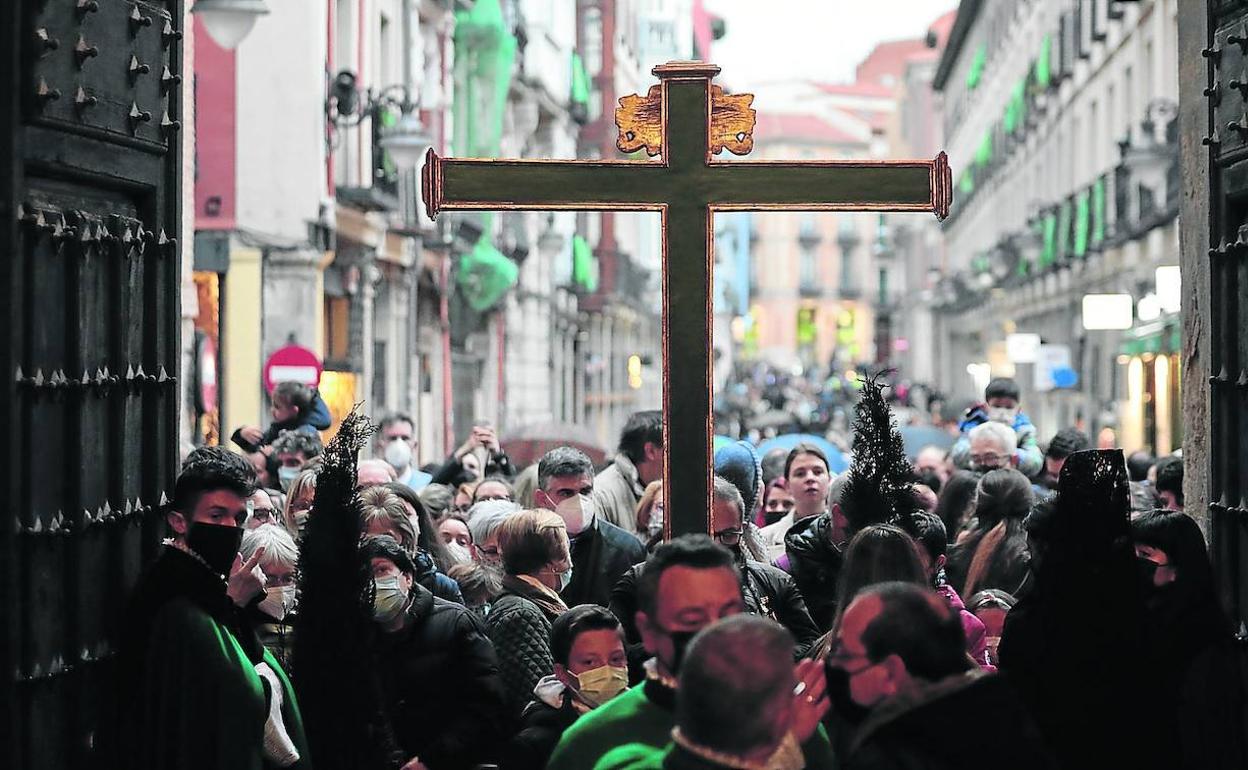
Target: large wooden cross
686,121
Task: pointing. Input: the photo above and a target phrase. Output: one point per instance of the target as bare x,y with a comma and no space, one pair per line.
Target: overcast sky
811,39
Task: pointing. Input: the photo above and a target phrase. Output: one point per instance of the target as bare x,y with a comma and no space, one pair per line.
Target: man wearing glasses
899,654
260,510
768,591
993,446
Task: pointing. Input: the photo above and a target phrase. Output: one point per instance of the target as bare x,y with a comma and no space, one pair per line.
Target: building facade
1061,244
314,235
263,208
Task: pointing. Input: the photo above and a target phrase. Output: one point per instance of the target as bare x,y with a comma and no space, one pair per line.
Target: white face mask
459,554
1003,415
390,599
577,513
398,454
655,526
278,601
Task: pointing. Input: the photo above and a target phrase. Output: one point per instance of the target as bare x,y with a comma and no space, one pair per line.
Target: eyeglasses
840,658
989,459
489,550
729,536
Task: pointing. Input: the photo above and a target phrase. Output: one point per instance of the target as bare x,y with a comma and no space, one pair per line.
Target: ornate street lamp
406,141
229,21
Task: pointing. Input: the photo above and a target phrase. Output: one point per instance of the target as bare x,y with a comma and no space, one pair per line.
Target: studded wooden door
89,210
1227,142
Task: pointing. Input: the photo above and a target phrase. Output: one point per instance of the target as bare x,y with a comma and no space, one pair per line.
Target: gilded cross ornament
684,122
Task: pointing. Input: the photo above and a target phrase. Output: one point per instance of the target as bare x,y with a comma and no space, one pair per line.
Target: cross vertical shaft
687,305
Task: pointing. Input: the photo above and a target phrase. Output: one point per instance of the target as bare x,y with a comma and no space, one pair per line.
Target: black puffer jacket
441,687
542,725
520,630
815,564
766,590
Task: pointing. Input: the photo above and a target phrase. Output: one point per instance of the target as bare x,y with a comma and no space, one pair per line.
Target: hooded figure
740,464
1073,645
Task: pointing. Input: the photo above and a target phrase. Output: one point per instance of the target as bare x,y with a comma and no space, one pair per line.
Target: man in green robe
688,584
198,691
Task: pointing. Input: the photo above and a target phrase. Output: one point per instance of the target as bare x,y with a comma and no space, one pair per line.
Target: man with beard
688,584
199,691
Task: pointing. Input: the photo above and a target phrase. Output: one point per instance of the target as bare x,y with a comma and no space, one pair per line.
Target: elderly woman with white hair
273,617
484,519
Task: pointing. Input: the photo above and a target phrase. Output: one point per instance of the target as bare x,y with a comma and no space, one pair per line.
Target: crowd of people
998,603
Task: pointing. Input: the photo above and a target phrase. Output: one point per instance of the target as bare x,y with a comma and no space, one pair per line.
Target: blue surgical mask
286,476
565,578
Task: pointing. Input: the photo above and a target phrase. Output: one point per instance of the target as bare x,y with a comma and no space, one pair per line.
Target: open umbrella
915,437
837,461
526,445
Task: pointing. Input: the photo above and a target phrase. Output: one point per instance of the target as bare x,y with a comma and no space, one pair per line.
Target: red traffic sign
292,363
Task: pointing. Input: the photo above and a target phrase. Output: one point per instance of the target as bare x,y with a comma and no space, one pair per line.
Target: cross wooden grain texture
691,120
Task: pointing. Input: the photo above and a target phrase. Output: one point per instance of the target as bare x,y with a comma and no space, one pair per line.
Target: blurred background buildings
1057,265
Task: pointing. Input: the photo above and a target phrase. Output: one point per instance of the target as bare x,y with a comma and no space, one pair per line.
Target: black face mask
680,643
843,704
1146,573
216,544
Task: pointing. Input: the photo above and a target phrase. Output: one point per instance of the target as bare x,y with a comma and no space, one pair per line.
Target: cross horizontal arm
582,185
837,185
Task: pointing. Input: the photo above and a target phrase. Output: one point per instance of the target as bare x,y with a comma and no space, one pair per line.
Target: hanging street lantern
229,21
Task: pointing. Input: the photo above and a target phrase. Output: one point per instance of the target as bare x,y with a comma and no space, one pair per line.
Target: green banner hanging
1043,73
485,275
1063,230
1049,254
976,72
1081,223
580,80
1098,211
584,265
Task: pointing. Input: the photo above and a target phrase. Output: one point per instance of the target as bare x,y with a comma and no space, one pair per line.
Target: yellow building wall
242,360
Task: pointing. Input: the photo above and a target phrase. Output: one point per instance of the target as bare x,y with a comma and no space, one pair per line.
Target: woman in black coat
536,565
1192,655
441,694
